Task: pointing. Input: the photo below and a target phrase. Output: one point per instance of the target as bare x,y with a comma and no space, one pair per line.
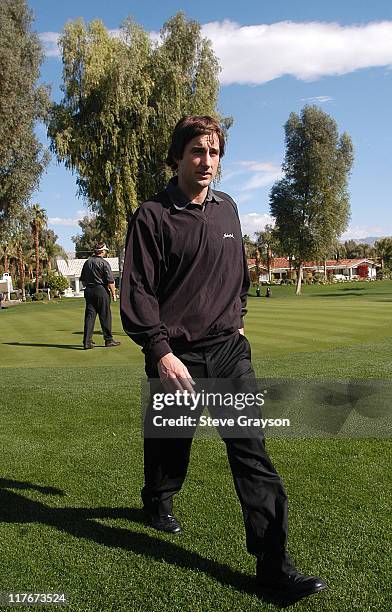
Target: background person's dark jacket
96,271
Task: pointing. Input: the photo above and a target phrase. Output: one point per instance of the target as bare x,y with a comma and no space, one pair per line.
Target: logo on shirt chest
228,235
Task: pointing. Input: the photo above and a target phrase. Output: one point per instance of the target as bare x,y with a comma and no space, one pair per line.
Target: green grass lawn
71,465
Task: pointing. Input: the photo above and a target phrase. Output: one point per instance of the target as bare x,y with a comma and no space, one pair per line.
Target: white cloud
358,231
250,175
255,222
263,174
69,221
317,99
260,53
308,51
49,42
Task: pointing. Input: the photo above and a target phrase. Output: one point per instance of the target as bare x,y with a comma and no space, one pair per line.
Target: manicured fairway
71,466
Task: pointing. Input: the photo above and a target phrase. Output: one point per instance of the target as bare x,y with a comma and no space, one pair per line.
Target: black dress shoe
290,588
166,523
112,343
88,346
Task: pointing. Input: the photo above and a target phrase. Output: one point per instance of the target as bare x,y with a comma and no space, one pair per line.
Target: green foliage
92,232
358,250
52,250
38,222
250,246
267,244
122,98
383,250
57,283
311,203
38,296
22,104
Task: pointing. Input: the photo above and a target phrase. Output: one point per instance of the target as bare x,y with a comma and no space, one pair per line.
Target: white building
342,269
6,285
72,270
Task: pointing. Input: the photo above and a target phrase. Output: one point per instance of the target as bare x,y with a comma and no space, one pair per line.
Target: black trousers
259,488
97,303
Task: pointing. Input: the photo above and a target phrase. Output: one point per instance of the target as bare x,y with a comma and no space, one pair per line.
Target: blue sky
276,57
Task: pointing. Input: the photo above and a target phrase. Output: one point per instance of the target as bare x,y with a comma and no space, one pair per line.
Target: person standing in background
99,284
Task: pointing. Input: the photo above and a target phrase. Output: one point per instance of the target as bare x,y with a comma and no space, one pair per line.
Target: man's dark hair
188,128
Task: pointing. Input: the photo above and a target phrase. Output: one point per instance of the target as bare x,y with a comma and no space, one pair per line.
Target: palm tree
249,245
266,243
52,249
383,248
39,221
4,255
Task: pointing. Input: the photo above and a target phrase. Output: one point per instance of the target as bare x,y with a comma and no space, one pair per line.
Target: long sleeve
245,286
139,303
83,273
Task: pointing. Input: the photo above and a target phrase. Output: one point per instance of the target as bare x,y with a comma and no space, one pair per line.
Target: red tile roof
283,262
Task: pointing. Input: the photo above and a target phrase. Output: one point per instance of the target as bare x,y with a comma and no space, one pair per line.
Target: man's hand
174,374
242,331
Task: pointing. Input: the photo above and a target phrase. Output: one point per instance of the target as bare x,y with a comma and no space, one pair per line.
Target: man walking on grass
183,299
98,279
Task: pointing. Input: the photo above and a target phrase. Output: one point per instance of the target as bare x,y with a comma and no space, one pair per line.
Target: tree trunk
6,261
269,256
120,255
21,266
257,266
299,280
36,242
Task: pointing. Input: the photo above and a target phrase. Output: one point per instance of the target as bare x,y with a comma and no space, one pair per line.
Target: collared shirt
96,271
181,201
185,277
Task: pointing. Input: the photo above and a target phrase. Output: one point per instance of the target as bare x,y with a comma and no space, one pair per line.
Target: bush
38,297
384,274
287,281
57,283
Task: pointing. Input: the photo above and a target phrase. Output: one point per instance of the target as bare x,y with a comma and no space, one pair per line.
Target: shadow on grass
74,347
80,523
349,292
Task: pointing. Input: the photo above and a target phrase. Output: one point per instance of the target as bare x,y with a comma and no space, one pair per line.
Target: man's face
199,163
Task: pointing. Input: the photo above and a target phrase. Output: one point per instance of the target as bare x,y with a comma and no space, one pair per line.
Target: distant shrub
287,281
384,274
57,283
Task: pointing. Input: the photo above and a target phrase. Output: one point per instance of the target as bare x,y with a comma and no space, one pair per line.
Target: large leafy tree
310,203
92,232
122,98
22,103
